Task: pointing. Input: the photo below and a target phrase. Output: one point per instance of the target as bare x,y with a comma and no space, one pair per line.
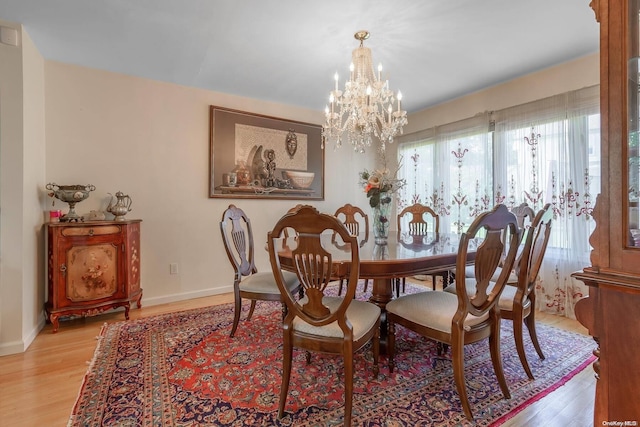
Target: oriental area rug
182,369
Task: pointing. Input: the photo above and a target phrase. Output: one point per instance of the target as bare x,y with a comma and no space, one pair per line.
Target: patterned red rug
182,369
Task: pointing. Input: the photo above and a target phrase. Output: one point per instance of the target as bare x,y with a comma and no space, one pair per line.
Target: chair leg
348,383
446,279
253,306
236,315
457,358
496,358
398,282
366,284
340,287
517,336
531,326
376,352
433,279
404,285
441,348
391,344
287,356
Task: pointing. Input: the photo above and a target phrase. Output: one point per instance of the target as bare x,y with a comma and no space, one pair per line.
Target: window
547,151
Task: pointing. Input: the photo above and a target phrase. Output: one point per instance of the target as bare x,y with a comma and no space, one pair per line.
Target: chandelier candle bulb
379,72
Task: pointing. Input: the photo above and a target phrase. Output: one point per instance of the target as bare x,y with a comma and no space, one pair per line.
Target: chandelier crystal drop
366,109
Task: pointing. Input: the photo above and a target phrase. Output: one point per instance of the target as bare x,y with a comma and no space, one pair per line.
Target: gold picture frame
253,156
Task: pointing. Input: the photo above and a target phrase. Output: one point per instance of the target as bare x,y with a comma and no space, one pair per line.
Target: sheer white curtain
547,152
446,169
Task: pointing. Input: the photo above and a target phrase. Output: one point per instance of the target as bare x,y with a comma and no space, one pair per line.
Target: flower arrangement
380,182
380,186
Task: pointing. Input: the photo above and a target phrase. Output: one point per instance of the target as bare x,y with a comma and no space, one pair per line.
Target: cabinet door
91,271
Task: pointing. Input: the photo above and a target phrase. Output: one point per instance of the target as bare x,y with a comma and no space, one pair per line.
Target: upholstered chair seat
506,297
513,277
264,283
362,316
433,310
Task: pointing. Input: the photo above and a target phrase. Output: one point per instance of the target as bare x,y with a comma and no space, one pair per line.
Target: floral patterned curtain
542,152
449,172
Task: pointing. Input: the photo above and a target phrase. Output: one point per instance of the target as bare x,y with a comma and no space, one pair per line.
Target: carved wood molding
598,216
595,5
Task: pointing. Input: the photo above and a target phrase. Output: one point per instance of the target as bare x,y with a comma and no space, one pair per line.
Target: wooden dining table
401,256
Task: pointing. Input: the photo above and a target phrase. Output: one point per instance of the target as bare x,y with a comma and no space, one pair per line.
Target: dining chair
464,317
419,218
318,322
248,283
356,221
517,301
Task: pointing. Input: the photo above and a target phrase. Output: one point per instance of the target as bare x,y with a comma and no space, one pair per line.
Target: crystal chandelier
367,108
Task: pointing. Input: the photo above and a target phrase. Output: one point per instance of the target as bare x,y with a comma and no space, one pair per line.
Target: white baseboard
14,347
165,299
20,346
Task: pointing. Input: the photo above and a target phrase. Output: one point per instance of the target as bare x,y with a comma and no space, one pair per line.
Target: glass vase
382,218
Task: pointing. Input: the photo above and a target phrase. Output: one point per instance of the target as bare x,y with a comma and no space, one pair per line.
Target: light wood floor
38,388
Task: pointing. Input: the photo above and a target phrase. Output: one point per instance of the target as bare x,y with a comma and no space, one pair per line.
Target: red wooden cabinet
92,267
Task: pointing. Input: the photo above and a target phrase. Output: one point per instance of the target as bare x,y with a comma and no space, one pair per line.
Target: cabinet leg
126,311
53,318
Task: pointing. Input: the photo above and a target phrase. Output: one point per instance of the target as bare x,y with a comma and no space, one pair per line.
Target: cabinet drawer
98,230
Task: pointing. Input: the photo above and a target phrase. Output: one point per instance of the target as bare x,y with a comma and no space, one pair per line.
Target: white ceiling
287,51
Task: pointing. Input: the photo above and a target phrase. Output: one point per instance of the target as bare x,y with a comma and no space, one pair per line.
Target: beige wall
569,76
22,172
150,140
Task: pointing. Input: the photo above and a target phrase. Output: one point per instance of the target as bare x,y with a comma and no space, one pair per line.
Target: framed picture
260,157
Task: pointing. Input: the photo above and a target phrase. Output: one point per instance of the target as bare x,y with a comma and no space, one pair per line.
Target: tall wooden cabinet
92,267
611,312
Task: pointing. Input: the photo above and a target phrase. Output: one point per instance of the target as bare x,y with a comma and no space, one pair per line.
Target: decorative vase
382,218
380,252
70,194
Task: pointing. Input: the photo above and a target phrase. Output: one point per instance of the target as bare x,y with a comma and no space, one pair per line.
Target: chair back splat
422,220
354,219
238,240
418,225
317,321
357,222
